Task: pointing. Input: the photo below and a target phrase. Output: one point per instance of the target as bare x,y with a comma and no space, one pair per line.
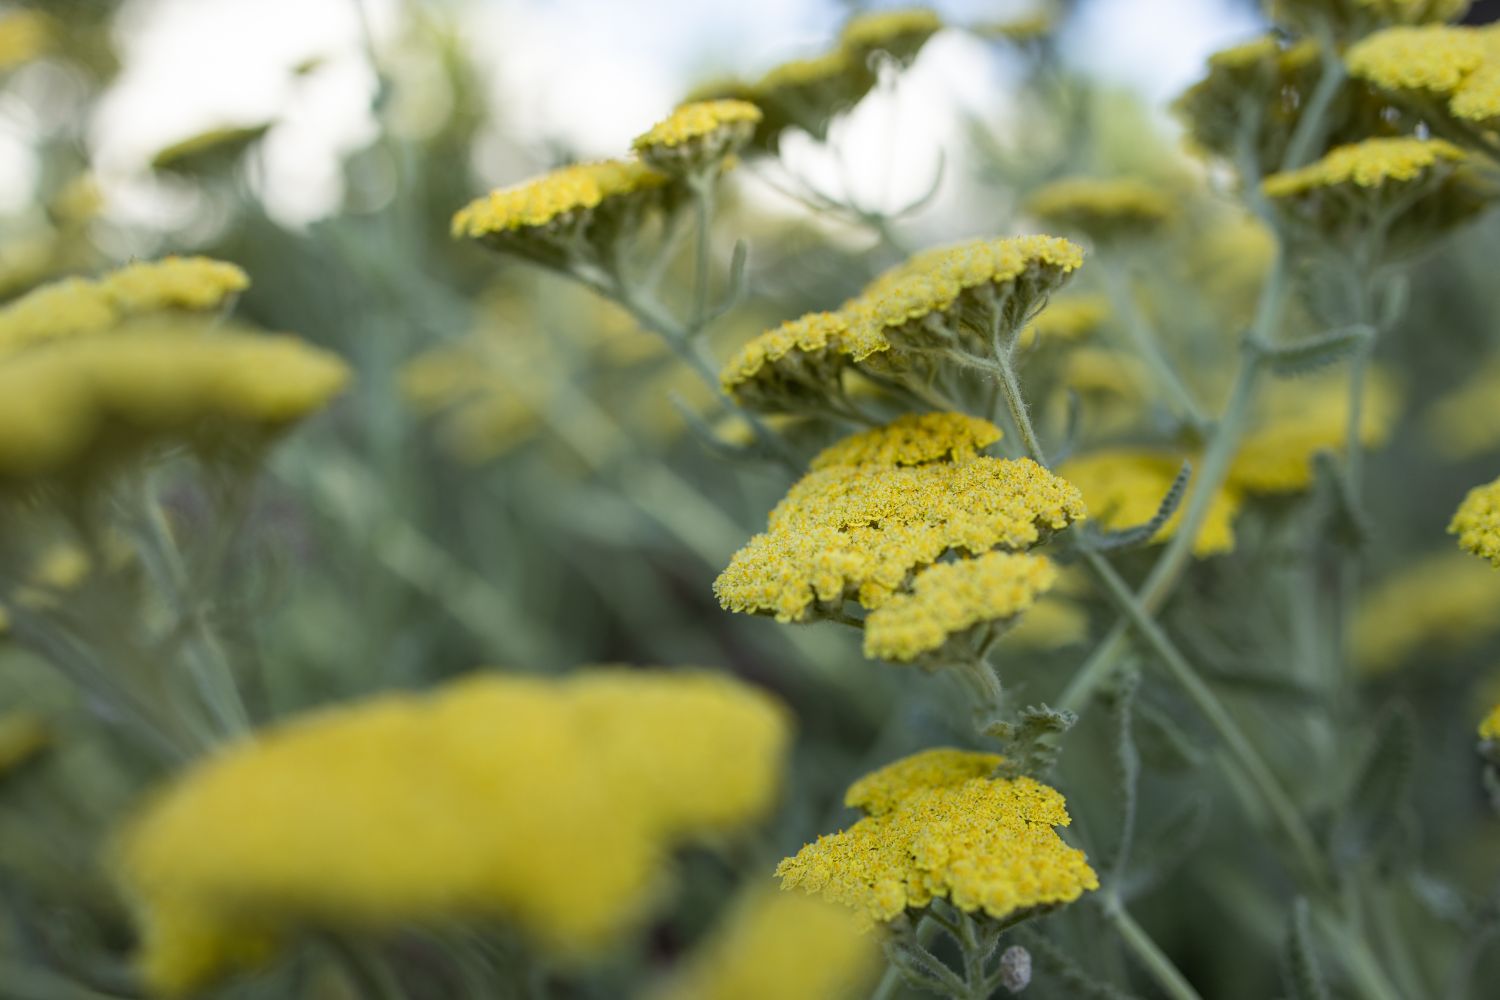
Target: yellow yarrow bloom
901,32
1124,488
951,599
984,844
1051,623
1458,66
1352,18
62,308
67,406
913,439
1489,727
1373,163
1477,522
698,136
1067,319
799,360
1307,416
24,35
1265,73
781,945
1463,424
1104,208
548,803
1444,602
23,735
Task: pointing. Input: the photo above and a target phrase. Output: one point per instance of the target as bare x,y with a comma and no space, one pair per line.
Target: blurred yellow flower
901,32
1443,602
698,135
1103,208
24,35
1477,522
549,803
1462,423
782,946
1051,623
1351,18
23,735
950,599
1067,319
938,826
1124,487
1489,727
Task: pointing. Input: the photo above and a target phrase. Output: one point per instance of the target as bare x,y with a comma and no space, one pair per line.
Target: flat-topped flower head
562,212
913,439
1489,726
1265,74
70,408
698,136
1348,19
779,944
859,532
1124,488
211,152
1372,164
549,804
1302,418
1436,604
899,33
1456,68
195,284
950,600
984,844
969,291
1477,522
799,361
75,306
1106,209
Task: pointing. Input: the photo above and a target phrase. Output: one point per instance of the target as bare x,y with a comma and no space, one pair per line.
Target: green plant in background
1136,520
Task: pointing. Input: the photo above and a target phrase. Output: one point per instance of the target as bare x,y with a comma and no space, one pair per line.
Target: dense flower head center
1477,522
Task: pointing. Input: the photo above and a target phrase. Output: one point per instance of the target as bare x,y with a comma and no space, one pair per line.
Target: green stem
702,187
1310,131
1240,749
1355,955
1146,951
1010,389
890,981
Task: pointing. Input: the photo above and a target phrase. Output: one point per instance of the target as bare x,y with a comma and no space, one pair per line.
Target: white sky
592,73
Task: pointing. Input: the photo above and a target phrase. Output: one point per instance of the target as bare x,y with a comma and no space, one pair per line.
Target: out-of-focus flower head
1105,209
699,136
1477,522
1449,76
1124,488
1441,603
1349,19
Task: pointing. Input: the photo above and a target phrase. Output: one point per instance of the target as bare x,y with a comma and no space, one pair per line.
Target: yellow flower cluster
1477,522
698,135
913,439
782,945
1461,66
75,306
900,32
68,406
1068,319
859,531
1052,623
935,296
23,735
938,827
545,802
1103,208
208,152
1351,18
1371,164
1308,416
1266,74
950,599
1448,601
559,199
1489,727
1462,423
1123,488
24,35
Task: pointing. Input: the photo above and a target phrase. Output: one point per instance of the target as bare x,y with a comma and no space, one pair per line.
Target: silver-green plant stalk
1146,950
1143,338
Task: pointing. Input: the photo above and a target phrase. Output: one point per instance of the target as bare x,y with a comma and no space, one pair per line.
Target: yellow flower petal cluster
900,32
1104,208
74,306
1067,319
210,151
1352,18
23,735
859,531
698,136
24,35
549,803
913,439
800,358
559,199
1489,727
1462,423
1307,416
65,407
783,945
1265,73
1477,522
982,843
1124,488
1371,164
1457,65
1444,602
950,599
